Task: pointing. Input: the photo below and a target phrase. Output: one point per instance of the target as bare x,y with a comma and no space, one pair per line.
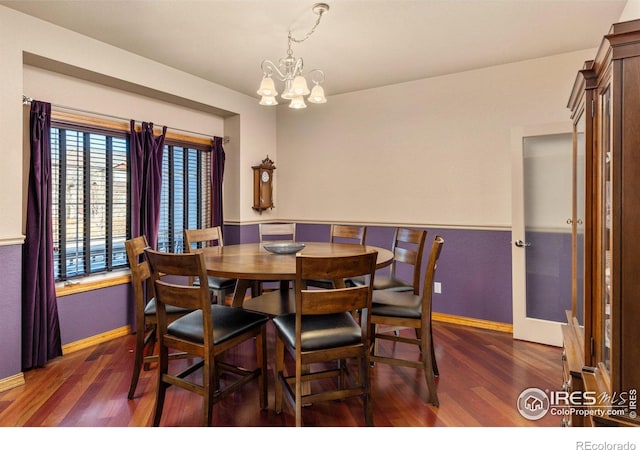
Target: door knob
520,243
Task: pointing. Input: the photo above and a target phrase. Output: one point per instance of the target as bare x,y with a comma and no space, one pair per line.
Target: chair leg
431,384
163,366
149,344
209,379
279,374
373,348
217,372
342,380
374,330
159,404
365,371
261,353
137,362
436,372
298,405
427,361
145,344
217,296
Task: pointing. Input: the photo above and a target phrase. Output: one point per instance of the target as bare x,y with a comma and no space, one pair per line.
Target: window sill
93,282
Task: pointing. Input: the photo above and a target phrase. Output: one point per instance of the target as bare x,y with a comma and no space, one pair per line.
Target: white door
542,180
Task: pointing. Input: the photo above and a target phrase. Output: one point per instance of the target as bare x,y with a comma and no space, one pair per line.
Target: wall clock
263,185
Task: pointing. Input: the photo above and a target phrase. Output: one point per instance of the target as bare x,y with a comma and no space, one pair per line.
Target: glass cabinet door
603,354
579,186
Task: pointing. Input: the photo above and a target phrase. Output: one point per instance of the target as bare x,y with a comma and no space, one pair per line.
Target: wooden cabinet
581,106
602,352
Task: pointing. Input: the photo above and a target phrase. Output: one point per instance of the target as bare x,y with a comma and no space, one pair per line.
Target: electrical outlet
437,288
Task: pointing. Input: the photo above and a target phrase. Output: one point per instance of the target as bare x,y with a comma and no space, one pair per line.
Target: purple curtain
146,181
40,326
217,175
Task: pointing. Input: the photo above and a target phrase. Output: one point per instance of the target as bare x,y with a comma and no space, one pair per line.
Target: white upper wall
429,152
59,89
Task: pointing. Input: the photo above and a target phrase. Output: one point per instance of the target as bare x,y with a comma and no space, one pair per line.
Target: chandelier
289,71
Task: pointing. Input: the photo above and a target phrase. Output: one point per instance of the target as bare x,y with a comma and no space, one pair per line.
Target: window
185,199
90,200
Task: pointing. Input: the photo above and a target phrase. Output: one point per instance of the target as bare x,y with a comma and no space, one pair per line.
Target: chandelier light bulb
268,100
287,94
300,86
317,95
267,87
297,103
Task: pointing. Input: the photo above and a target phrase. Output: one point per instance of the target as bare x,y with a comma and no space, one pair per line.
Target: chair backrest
430,273
408,248
277,232
330,301
202,237
356,234
139,271
180,266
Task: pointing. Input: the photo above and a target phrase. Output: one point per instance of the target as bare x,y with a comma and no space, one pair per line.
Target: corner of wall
631,11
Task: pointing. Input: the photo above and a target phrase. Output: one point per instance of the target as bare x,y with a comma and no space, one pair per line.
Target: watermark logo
533,403
605,445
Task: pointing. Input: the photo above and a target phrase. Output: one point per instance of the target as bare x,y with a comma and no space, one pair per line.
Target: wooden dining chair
323,330
407,249
194,239
345,234
353,234
145,311
408,310
207,333
277,232
270,232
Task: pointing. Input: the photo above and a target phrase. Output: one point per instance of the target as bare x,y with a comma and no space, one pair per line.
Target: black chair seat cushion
381,282
327,284
150,309
396,304
228,322
321,331
218,282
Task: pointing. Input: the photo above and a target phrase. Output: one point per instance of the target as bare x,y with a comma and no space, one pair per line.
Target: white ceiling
359,44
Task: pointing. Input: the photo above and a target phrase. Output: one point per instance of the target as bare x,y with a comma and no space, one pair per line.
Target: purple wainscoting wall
10,305
90,313
474,267
474,270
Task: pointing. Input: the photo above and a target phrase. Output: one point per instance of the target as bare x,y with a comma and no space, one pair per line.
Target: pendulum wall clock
263,185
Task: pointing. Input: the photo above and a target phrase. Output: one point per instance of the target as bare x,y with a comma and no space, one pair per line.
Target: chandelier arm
270,68
317,76
297,69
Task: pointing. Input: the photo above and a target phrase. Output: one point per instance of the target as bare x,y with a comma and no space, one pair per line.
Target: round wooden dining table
251,262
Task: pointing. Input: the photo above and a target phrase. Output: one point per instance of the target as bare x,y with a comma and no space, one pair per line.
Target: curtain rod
27,100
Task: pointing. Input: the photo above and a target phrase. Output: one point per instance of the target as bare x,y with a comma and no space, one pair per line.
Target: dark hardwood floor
482,374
